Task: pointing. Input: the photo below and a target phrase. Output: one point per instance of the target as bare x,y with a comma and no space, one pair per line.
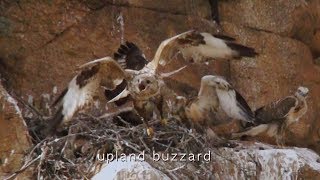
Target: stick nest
74,154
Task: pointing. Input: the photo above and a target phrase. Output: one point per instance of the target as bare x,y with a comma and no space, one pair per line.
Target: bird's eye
148,81
218,82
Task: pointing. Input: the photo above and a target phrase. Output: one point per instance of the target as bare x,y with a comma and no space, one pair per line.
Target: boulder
14,137
262,161
129,169
247,161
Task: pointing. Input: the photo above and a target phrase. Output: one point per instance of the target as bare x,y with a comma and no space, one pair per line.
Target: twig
40,115
177,168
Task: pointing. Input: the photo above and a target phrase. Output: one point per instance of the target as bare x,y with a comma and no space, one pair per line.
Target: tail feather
243,51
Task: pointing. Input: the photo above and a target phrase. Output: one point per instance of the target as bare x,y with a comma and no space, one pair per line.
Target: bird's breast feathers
297,112
78,96
228,103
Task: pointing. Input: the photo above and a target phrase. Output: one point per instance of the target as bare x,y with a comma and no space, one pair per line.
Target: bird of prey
129,56
218,101
146,84
84,87
275,117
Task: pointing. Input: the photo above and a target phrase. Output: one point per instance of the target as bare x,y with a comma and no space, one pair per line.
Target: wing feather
242,103
199,47
275,111
58,100
129,56
84,86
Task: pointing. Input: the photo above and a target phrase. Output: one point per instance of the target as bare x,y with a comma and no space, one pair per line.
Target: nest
74,154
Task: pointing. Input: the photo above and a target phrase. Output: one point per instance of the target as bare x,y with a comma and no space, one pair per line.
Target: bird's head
145,86
216,81
302,92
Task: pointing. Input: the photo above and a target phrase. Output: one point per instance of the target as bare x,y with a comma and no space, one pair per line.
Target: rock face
14,138
296,19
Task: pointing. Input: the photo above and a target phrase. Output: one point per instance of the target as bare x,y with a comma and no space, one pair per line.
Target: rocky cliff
43,42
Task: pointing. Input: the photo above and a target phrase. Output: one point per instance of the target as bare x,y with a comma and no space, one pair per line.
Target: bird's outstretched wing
275,111
84,86
129,56
199,46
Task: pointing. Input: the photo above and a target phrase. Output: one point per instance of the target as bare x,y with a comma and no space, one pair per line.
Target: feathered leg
280,140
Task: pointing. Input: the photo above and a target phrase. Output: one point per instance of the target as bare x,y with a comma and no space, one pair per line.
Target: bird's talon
164,122
150,131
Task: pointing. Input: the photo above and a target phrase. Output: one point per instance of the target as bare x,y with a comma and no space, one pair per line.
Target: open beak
142,87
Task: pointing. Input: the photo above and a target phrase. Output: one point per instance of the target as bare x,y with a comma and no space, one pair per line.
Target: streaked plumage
275,117
198,47
84,86
129,75
230,101
203,108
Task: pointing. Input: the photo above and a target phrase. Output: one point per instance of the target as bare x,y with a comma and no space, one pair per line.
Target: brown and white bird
144,84
217,98
275,117
84,87
129,56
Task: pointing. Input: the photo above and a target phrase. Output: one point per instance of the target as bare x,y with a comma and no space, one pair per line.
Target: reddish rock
14,137
296,19
199,8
